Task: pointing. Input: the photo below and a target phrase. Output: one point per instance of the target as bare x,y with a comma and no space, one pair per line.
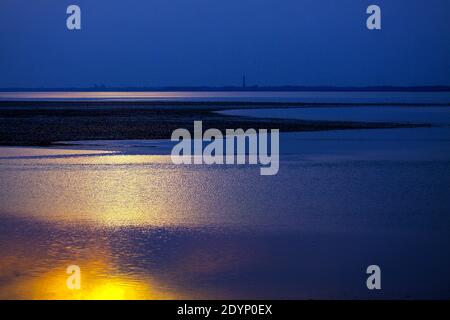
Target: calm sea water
141,227
258,96
419,115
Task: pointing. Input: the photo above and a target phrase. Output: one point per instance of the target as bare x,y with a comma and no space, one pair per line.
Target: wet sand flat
38,123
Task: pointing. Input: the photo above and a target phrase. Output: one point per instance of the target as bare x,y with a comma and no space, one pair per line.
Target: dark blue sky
213,42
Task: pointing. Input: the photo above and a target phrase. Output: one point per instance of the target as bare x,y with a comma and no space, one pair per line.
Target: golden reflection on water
98,95
51,285
86,204
157,95
115,263
34,266
116,190
122,95
94,191
108,190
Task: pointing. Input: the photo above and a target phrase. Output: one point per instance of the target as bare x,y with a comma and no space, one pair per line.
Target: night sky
215,42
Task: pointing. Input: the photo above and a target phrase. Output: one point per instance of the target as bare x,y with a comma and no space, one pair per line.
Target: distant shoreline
255,88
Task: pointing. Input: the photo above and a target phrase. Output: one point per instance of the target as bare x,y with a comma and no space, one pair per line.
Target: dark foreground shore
34,123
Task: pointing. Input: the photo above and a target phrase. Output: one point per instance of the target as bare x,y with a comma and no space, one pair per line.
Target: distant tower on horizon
243,82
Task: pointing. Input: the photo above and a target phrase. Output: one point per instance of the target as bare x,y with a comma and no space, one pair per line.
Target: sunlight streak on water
261,96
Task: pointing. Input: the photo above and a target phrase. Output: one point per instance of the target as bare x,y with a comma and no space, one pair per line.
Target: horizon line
441,88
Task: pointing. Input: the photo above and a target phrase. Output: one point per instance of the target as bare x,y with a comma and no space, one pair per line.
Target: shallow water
417,115
254,96
140,227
